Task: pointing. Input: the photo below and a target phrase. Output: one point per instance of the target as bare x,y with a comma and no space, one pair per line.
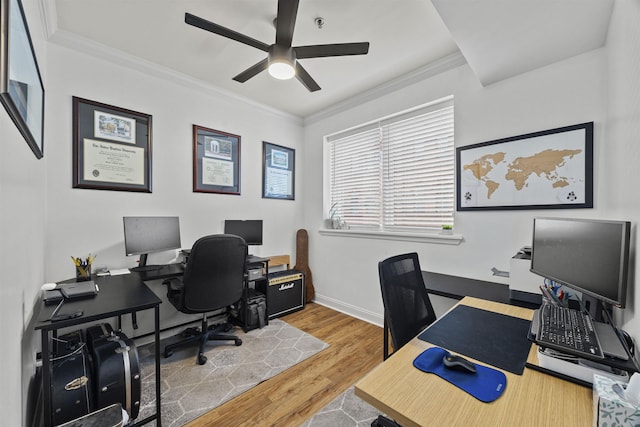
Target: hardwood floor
288,399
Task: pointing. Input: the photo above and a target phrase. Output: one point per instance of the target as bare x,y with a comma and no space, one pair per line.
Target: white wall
45,221
22,243
566,93
22,219
619,185
601,86
82,221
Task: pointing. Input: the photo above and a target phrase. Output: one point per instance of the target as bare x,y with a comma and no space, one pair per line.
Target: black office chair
407,307
213,279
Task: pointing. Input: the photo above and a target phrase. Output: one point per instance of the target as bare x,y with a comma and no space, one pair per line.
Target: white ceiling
498,38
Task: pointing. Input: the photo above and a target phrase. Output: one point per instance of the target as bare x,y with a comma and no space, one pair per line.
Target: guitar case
302,262
71,392
116,375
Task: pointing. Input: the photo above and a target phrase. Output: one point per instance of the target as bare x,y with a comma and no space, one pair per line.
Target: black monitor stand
142,265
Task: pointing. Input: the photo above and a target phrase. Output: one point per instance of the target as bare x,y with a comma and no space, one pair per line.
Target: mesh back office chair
213,279
407,308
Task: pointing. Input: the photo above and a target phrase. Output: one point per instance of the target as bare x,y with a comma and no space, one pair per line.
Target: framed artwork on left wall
21,89
111,147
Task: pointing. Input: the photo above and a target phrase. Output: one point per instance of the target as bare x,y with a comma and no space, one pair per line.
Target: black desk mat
492,338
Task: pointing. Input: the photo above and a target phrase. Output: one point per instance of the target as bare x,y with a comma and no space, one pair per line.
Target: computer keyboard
568,330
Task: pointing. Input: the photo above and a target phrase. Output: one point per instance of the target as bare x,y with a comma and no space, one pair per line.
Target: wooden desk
415,398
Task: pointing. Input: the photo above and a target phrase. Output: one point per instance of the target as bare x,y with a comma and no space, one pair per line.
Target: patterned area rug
189,390
346,410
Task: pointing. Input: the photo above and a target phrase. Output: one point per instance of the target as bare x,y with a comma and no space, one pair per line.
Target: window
396,173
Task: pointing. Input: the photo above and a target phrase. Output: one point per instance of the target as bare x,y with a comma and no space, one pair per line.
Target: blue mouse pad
486,384
492,338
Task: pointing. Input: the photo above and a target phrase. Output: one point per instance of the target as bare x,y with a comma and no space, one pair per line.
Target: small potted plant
333,221
447,229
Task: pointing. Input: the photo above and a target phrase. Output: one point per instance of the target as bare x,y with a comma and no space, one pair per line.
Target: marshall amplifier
285,292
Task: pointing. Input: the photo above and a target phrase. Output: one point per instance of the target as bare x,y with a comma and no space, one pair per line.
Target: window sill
443,239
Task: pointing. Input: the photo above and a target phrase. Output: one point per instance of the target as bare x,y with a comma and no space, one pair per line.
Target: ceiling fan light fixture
281,63
282,70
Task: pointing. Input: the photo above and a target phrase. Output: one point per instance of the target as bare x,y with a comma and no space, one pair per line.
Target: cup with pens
83,267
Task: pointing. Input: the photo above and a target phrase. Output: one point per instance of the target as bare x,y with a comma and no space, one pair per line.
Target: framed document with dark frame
21,89
551,169
216,161
111,147
278,172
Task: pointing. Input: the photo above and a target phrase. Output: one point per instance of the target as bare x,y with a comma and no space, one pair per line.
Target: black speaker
285,292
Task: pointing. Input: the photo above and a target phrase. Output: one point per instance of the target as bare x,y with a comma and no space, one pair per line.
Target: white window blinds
396,173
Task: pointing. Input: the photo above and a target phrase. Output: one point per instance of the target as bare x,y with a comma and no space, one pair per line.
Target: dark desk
159,272
459,287
118,295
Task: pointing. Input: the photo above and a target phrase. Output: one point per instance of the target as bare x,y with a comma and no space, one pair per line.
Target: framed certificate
278,172
216,161
111,147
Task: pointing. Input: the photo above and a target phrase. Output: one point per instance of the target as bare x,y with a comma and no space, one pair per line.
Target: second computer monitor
148,234
588,255
250,230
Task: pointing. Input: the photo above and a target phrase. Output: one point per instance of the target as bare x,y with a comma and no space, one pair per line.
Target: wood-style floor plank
293,396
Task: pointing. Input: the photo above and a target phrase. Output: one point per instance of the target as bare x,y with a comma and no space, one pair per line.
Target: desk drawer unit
285,292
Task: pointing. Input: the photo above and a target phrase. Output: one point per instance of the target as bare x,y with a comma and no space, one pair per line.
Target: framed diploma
111,147
278,172
21,89
216,161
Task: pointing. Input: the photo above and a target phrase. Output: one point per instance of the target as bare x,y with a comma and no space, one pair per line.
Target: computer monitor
250,230
147,234
590,256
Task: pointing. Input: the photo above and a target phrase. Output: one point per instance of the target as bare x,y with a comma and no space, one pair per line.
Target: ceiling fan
282,57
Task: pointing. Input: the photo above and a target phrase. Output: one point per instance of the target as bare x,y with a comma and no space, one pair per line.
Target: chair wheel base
202,359
383,421
238,341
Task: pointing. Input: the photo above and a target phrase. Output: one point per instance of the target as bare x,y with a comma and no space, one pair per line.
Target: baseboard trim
351,310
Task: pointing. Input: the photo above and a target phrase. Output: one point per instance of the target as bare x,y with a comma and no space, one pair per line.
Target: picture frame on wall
216,161
551,169
21,88
111,147
278,172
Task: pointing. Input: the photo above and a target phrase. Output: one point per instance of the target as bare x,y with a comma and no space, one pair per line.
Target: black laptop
78,289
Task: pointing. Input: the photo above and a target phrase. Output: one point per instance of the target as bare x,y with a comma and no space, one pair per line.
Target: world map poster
548,169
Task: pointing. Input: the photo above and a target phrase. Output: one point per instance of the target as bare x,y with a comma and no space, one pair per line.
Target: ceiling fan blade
323,50
251,71
286,21
306,79
224,32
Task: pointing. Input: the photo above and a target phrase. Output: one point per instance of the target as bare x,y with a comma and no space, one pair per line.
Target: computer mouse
49,286
458,363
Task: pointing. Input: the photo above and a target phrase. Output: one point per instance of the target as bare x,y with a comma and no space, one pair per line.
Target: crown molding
89,47
446,63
